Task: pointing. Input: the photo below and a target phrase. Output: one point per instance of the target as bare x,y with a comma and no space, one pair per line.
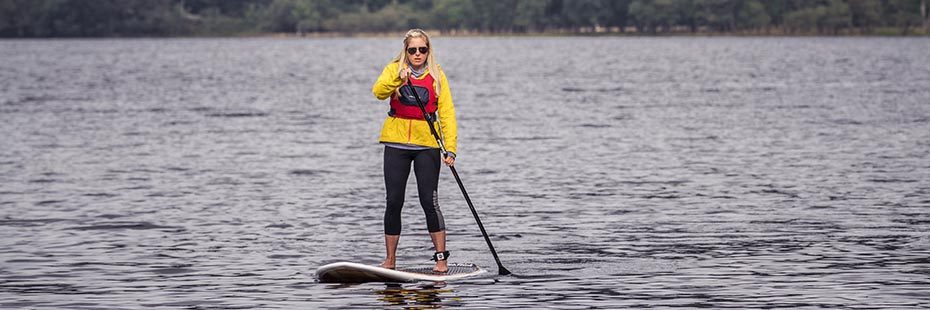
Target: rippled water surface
611,173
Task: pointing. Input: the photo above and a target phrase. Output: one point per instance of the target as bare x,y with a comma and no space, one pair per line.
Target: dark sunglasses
413,50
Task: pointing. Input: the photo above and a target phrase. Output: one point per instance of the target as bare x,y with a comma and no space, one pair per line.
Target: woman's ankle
389,262
441,266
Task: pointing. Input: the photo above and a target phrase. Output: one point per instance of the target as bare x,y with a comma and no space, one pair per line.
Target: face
417,58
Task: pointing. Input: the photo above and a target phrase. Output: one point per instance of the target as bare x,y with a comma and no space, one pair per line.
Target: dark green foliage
828,16
93,18
80,18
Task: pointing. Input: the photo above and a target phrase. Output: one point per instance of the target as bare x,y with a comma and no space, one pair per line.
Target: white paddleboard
346,272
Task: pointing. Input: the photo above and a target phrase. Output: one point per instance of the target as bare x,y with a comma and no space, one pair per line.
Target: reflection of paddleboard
345,272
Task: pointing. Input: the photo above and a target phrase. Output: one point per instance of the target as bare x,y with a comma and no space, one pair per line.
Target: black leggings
426,164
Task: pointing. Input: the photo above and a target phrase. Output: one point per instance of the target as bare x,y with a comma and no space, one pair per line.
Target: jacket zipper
409,130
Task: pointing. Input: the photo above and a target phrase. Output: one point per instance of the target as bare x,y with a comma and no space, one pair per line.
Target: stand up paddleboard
346,272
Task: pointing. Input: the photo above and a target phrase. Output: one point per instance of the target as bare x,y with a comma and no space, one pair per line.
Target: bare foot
388,263
441,266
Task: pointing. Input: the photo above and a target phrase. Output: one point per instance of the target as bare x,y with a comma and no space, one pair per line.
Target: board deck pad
346,272
453,269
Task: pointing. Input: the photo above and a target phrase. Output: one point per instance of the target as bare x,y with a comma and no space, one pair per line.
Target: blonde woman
407,139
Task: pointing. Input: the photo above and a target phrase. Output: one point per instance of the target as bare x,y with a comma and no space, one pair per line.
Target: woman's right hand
404,73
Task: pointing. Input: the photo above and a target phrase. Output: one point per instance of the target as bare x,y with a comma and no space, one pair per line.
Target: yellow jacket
412,131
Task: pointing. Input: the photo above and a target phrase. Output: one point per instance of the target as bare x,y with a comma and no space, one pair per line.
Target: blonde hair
431,65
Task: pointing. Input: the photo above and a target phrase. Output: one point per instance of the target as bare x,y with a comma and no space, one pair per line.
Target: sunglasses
413,50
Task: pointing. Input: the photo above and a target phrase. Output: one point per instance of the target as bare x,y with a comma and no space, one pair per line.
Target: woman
407,139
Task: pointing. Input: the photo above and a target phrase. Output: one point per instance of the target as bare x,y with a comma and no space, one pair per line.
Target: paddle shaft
500,267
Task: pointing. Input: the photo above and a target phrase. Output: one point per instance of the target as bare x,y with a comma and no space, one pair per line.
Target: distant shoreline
877,32
457,18
438,34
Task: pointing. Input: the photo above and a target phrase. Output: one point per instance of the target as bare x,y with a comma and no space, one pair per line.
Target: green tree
719,15
493,16
650,16
390,17
234,8
451,14
776,9
643,13
837,16
751,14
530,16
615,13
297,15
17,17
803,20
925,12
904,14
828,17
866,13
686,14
578,14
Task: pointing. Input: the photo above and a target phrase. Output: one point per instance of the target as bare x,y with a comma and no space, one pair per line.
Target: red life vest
405,105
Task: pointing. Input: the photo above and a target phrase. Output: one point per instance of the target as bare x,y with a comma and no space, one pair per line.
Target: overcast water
610,173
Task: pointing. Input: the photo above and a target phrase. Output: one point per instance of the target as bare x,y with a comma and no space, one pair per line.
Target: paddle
429,119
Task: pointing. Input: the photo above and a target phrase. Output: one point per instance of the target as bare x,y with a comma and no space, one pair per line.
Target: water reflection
421,296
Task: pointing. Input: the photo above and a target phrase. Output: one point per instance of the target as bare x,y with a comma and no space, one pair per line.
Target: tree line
102,18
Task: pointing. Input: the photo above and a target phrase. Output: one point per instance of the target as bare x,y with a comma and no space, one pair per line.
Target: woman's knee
395,201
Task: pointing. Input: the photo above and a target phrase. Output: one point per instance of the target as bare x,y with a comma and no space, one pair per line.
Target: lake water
610,173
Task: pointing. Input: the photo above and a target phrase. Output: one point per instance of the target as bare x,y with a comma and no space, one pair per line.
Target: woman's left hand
449,160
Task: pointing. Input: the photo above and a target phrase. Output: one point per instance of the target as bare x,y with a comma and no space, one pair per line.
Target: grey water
610,173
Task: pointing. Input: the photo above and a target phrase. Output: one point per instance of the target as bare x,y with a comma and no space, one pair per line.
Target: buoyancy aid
405,104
